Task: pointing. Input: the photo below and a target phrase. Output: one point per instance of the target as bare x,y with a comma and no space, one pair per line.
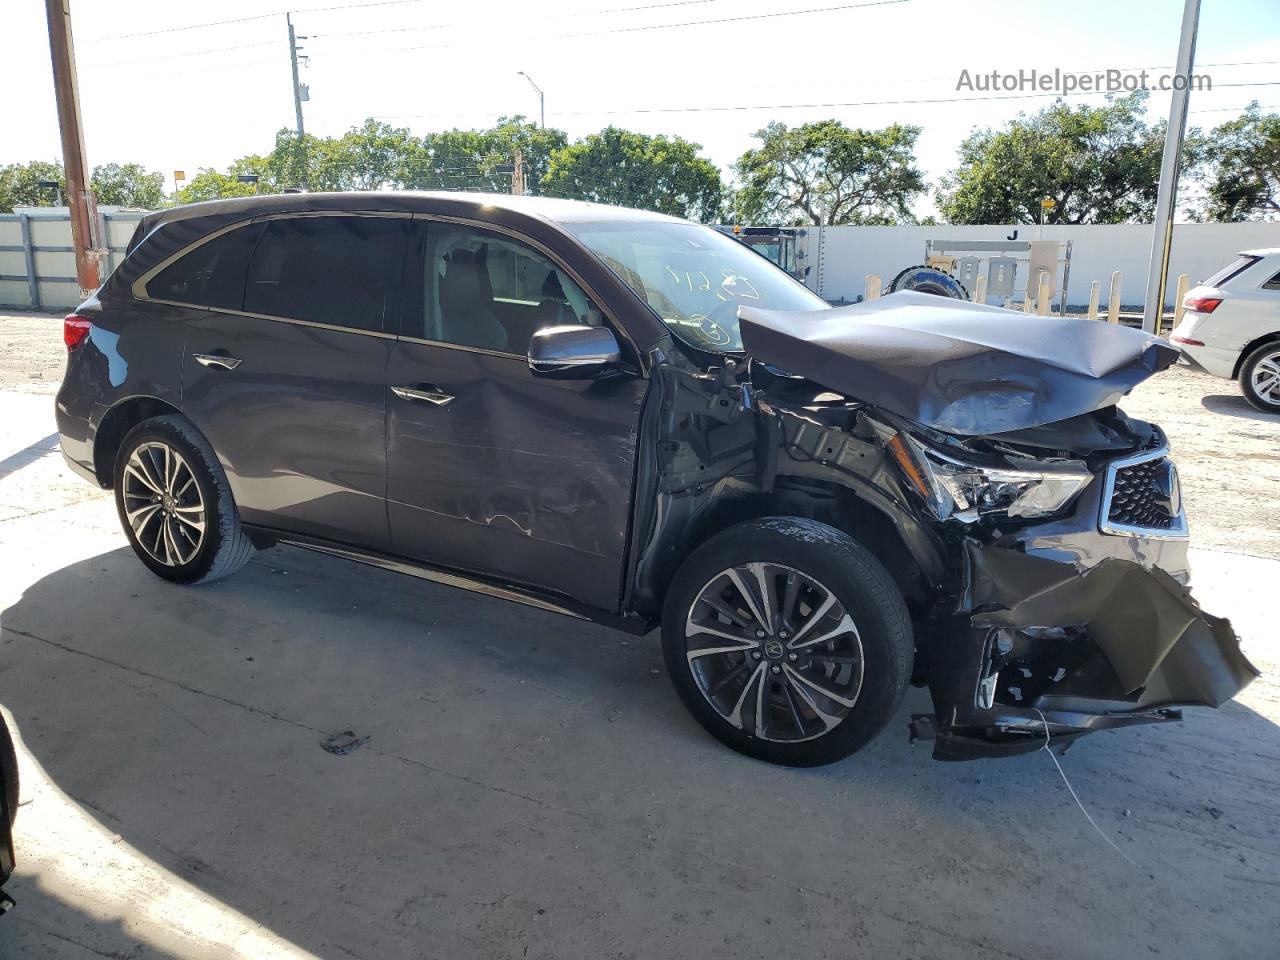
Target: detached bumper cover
1041,645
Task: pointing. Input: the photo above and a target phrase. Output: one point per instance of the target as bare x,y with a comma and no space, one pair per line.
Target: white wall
1199,249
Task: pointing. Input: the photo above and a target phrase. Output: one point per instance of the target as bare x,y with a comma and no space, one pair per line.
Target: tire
201,544
1260,377
867,667
925,279
9,770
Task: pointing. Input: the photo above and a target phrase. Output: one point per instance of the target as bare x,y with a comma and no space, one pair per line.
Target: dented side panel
517,477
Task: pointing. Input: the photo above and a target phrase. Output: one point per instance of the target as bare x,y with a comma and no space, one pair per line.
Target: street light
542,100
53,185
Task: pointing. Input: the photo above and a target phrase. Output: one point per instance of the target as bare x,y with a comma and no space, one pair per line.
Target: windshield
694,278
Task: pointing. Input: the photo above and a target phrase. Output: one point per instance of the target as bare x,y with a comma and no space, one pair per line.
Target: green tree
127,185
209,184
825,173
1241,168
466,159
19,184
629,169
1100,165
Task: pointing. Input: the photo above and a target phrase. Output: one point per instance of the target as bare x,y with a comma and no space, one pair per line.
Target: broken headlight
964,491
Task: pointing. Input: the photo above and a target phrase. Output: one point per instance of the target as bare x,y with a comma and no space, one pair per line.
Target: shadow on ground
531,787
1234,405
44,927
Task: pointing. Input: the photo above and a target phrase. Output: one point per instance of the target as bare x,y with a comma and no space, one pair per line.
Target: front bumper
1061,630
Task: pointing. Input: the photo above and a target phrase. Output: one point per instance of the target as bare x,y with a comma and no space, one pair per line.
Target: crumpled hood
959,367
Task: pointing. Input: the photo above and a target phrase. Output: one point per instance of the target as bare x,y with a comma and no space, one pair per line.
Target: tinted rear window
342,271
211,275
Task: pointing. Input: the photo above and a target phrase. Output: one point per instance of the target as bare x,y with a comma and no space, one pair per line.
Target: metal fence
37,262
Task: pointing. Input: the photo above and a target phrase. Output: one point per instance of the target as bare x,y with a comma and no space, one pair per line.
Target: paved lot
532,788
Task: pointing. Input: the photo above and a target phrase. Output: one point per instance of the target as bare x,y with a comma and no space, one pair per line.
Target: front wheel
1260,377
788,641
175,504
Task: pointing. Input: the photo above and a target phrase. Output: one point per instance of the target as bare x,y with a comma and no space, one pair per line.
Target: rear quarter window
1231,271
211,274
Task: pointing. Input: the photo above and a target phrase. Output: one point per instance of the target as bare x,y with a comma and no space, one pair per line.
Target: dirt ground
530,787
1228,454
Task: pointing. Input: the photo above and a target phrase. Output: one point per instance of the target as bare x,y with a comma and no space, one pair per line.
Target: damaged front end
1037,532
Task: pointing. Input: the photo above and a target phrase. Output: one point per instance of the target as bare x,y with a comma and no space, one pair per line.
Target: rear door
289,384
490,468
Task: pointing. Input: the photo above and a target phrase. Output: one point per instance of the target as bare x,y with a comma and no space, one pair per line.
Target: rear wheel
788,641
1260,377
175,503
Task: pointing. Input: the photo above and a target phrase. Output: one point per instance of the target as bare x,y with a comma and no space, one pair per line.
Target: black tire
857,580
9,770
926,279
223,547
1268,353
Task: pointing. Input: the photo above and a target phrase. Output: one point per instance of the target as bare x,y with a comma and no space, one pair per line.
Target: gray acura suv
626,417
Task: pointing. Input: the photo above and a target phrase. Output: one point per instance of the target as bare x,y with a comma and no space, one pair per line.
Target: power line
358,6
258,16
680,25
181,56
741,19
556,16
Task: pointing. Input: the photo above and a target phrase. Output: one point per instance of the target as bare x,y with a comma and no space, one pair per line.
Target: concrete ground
531,787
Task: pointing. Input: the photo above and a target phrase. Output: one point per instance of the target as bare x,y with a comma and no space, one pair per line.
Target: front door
489,468
291,390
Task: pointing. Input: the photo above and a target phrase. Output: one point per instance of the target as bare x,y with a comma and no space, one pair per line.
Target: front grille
1134,498
1143,497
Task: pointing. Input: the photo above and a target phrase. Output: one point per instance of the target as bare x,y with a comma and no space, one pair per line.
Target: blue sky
185,99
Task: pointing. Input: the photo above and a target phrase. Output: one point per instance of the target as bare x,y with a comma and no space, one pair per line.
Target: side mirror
572,352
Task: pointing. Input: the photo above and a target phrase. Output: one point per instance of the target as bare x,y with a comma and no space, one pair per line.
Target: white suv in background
1231,327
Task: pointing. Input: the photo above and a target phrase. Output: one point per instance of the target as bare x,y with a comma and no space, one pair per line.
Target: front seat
466,314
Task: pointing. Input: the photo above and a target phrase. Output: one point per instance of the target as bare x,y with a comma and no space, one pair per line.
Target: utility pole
300,93
542,100
84,210
1162,229
517,175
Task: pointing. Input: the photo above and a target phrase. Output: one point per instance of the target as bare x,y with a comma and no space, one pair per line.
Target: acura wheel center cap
773,649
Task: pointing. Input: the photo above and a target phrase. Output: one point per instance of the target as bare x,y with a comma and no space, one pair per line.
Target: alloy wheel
163,504
1265,378
774,652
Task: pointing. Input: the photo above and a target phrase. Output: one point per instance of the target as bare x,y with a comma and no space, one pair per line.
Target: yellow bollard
1113,301
980,290
1094,289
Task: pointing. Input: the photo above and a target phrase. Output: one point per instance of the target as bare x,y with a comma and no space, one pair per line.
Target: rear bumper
1213,358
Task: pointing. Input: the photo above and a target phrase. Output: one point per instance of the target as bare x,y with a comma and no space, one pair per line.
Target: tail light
1202,304
75,329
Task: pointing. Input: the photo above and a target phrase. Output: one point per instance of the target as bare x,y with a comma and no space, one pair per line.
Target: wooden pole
84,210
871,286
1042,295
1094,289
1184,284
1113,299
980,289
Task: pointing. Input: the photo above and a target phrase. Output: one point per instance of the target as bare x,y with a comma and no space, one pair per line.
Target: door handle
218,361
425,392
